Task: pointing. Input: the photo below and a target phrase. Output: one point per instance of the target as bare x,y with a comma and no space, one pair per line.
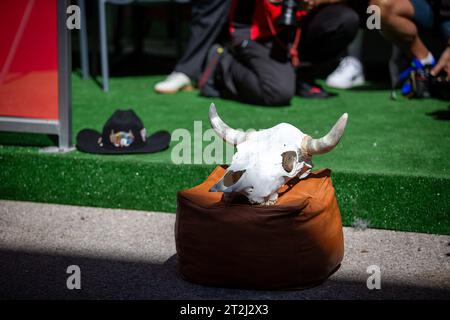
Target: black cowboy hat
123,133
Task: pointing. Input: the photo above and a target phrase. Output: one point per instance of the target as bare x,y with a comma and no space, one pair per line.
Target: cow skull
267,159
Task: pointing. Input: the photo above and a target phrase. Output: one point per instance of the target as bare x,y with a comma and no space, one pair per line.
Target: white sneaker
347,75
174,82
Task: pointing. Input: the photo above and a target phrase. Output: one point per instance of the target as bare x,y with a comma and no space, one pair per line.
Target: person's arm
444,62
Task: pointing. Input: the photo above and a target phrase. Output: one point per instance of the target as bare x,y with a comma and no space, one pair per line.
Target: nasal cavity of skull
288,160
231,177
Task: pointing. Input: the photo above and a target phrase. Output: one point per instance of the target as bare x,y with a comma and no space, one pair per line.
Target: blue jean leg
423,14
445,29
424,17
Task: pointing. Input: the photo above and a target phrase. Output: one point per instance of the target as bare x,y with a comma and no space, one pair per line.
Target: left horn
230,135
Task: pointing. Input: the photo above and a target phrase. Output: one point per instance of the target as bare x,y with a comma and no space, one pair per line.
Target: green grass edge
403,203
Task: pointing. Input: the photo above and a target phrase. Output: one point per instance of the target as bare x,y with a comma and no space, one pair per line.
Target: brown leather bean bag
296,243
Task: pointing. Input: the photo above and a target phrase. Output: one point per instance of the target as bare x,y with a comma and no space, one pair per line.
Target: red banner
28,59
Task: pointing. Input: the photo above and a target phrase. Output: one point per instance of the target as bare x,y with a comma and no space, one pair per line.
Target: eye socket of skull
288,160
231,177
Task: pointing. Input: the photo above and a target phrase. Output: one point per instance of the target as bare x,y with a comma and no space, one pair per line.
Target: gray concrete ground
125,254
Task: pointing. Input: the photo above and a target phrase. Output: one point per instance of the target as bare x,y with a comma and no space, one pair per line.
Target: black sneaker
310,90
207,82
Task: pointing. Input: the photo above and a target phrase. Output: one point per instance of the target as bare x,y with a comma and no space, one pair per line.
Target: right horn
228,134
328,142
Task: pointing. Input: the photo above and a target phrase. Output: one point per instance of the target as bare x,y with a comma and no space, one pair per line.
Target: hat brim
87,141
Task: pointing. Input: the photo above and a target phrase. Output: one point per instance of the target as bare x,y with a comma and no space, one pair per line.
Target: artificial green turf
387,201
392,166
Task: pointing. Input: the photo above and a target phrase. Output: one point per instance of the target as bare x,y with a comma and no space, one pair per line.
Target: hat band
120,139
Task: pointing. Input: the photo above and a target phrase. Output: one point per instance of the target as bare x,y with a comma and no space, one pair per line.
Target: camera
440,86
288,13
289,10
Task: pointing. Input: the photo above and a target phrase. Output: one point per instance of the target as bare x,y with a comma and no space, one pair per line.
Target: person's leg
444,27
355,47
398,26
349,72
326,32
258,74
208,19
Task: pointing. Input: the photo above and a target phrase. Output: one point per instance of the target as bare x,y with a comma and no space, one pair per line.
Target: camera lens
288,13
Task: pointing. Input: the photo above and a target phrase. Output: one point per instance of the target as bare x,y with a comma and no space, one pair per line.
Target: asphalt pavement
126,254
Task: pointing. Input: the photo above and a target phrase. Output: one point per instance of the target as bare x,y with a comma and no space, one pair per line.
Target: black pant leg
259,74
327,31
208,20
360,7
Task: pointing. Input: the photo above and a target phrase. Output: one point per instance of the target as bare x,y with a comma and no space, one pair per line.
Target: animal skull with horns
267,159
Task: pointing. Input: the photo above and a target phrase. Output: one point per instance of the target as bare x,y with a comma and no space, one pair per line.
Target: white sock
429,59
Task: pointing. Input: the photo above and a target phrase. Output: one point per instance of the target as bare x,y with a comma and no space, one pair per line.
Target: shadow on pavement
25,275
